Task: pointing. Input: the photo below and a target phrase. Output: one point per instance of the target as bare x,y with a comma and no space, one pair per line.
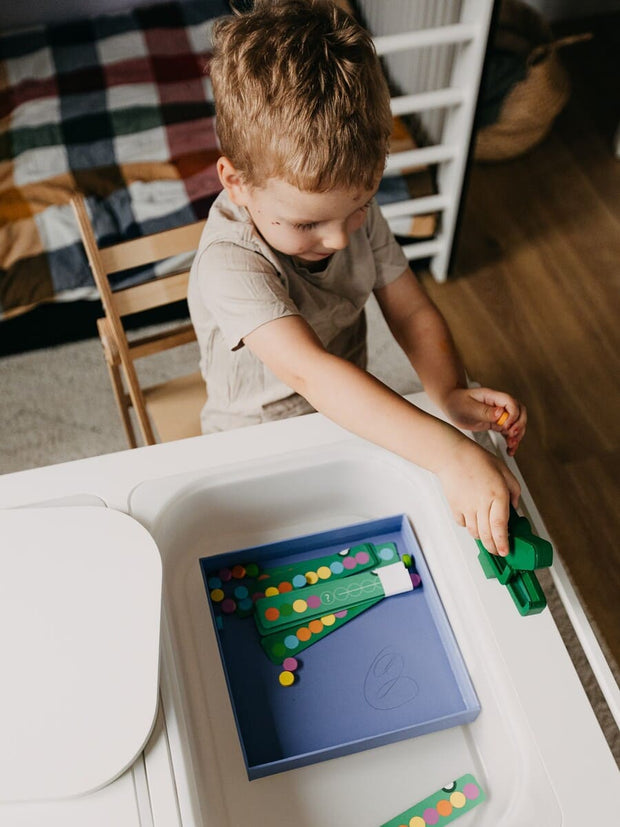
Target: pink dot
471,791
362,557
228,606
430,815
314,601
341,613
415,579
349,563
290,664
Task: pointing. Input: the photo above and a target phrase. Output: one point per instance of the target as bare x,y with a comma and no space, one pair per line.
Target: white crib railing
433,51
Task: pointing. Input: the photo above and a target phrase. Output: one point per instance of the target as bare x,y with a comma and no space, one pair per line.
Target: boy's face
308,225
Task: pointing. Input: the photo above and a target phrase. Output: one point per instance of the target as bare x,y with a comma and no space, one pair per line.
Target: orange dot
443,807
503,417
285,586
315,626
303,633
272,613
238,572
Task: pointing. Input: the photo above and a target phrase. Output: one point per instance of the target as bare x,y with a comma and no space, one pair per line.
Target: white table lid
80,603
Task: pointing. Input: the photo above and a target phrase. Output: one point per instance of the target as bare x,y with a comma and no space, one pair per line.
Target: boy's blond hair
300,96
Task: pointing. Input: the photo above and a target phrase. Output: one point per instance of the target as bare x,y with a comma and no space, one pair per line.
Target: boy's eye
305,226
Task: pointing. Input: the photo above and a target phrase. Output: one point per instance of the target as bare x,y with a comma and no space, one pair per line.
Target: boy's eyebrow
318,220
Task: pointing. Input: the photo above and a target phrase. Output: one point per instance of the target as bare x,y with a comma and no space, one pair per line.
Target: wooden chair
170,410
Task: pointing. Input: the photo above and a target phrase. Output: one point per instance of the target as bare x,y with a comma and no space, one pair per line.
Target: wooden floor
534,303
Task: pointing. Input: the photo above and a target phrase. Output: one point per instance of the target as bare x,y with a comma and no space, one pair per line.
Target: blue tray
393,672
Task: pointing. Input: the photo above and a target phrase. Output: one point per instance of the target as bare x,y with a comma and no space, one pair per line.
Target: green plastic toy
528,552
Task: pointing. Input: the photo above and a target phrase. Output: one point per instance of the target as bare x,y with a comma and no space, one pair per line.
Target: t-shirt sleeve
390,261
242,290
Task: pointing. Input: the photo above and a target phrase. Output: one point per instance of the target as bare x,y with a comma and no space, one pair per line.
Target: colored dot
272,613
246,604
304,634
238,572
229,606
471,791
300,606
214,582
362,557
324,572
285,586
258,596
219,622
458,800
290,664
263,576
407,561
286,678
328,620
430,816
291,642
386,553
311,578
315,626
299,581
336,567
241,592
417,821
225,575
415,579
251,570
278,650
342,613
286,610
217,595
313,601
271,591
444,808
349,563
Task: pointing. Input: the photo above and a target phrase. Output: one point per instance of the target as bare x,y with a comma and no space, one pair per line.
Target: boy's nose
336,238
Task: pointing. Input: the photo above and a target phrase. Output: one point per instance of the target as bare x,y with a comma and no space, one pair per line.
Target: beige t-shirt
238,282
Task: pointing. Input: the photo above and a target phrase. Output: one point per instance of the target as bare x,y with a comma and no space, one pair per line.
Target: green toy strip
352,560
281,611
442,807
291,642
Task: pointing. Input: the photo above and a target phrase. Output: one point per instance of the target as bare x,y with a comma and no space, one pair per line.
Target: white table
536,746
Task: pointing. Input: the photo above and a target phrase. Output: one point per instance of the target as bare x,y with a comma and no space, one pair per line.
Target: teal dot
299,581
291,641
336,567
386,553
241,592
215,583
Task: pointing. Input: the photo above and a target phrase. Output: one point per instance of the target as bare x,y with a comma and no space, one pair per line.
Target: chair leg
121,401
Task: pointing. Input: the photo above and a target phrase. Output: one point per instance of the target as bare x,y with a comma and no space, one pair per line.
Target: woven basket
529,109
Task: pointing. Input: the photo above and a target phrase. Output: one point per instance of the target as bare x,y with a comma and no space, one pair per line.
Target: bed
118,107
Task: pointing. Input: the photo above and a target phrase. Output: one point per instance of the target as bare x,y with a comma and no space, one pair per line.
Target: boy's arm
478,486
421,331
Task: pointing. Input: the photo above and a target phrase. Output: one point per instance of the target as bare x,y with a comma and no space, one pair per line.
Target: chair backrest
136,298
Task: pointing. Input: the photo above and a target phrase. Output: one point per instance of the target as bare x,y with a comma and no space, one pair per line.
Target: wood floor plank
534,305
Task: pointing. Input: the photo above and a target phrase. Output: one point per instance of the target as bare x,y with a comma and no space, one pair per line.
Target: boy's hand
483,409
480,488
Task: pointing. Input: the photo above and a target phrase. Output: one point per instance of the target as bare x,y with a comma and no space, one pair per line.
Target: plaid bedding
118,107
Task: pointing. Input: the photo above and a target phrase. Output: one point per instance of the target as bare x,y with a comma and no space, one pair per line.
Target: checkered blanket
118,107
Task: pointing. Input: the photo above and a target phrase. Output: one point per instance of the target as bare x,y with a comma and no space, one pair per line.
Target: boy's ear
232,181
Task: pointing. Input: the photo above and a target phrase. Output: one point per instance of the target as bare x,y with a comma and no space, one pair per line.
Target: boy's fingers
498,524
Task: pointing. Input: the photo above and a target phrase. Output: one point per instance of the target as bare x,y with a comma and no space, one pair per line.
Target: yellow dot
328,620
217,595
271,591
458,800
311,578
416,821
300,606
286,678
502,418
324,572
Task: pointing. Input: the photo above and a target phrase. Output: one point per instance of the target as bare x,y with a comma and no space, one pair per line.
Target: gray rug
56,405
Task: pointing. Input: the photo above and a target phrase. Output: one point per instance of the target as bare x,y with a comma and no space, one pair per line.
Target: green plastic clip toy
528,552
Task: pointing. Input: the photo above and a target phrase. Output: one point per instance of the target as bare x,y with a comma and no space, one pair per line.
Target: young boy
295,244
